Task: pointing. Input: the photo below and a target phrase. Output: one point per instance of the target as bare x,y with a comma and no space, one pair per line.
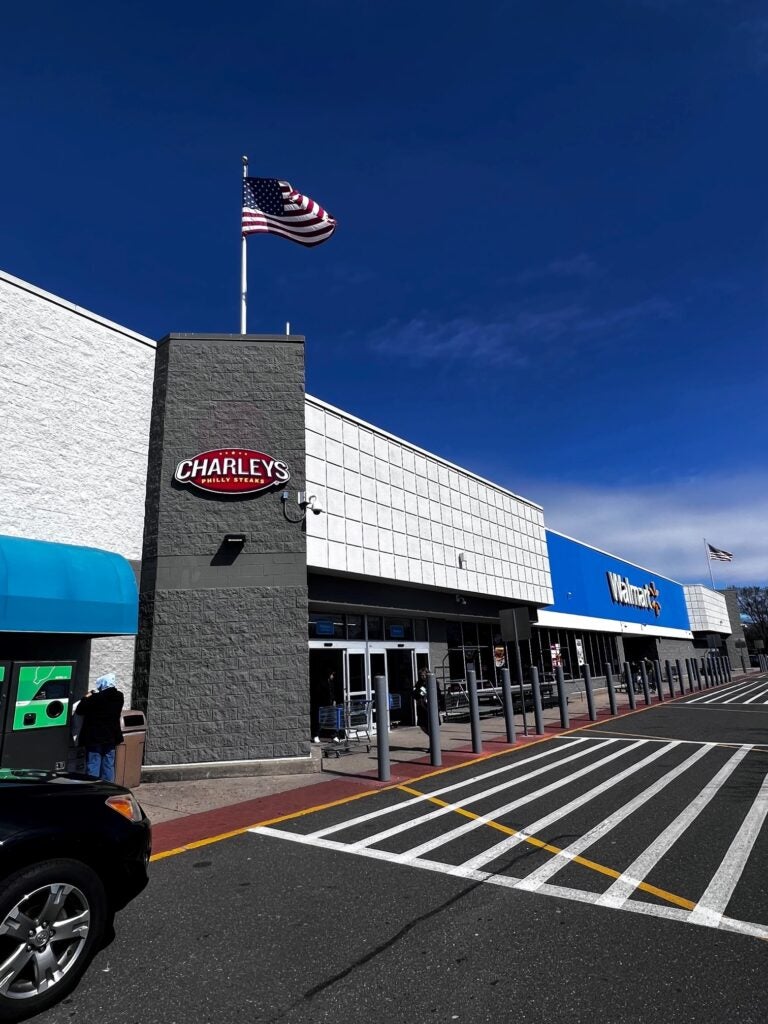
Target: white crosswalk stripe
499,811
362,818
712,904
500,848
574,759
537,878
749,692
624,886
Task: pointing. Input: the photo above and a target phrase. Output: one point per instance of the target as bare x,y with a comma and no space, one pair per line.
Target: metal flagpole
709,563
243,266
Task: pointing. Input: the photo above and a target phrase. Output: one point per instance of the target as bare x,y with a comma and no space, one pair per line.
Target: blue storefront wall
580,583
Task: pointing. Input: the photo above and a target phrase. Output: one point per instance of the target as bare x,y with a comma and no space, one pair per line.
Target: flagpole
709,563
243,266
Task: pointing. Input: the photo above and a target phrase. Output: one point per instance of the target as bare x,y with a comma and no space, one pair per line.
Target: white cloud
510,339
580,266
662,527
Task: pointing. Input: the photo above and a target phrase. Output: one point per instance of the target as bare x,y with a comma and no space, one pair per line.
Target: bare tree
753,605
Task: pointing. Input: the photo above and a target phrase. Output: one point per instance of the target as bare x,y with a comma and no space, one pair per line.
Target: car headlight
125,804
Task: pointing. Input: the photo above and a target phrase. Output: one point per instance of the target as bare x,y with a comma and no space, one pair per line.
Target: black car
73,850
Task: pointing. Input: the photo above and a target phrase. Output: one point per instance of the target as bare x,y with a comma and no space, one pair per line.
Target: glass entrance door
402,676
356,684
377,666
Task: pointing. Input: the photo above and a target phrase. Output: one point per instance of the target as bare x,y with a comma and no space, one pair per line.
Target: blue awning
60,588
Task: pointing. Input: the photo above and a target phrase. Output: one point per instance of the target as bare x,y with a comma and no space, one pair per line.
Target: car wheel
52,915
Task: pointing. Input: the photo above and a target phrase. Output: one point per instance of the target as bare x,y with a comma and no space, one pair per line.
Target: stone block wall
222,658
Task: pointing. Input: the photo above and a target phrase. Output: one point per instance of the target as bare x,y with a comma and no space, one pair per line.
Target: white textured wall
74,431
398,513
76,402
707,611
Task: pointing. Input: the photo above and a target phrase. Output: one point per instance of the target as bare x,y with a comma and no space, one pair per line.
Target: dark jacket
101,718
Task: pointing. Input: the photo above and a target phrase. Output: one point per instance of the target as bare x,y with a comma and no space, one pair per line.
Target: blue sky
550,265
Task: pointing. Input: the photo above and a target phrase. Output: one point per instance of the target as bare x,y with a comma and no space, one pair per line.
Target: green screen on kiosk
42,697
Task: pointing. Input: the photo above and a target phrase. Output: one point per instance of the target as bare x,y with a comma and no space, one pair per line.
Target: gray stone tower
222,657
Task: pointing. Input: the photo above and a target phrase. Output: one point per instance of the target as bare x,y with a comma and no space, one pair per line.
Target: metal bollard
659,681
696,674
588,692
538,717
743,666
565,720
382,726
691,675
433,710
729,668
509,711
611,690
630,683
705,676
521,688
680,682
646,687
670,680
474,712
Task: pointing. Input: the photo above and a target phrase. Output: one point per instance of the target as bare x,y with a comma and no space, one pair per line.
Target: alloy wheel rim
41,939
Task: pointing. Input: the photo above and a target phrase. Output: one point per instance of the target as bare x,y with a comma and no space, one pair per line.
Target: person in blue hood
100,710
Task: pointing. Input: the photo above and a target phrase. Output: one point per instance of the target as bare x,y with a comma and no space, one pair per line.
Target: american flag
718,555
276,208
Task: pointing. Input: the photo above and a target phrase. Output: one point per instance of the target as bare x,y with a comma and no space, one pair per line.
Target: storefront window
326,626
453,634
375,627
485,655
550,647
398,629
420,630
355,627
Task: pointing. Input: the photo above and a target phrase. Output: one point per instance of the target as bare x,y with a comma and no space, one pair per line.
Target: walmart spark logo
624,592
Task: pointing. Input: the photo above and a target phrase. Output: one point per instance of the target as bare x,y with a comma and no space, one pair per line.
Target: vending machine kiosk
35,714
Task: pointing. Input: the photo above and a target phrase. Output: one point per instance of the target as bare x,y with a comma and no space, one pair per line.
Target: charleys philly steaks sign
232,471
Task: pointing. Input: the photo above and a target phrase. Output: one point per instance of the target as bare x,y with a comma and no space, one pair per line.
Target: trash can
129,754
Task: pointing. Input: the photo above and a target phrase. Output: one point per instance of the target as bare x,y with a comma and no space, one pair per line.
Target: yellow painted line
670,897
478,759
198,843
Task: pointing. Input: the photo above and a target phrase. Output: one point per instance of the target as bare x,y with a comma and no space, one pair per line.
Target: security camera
309,501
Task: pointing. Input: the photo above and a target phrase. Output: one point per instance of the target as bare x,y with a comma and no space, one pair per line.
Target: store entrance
342,674
401,674
346,673
639,648
326,675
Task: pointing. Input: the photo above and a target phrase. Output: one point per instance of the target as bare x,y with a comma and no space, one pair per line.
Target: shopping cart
345,726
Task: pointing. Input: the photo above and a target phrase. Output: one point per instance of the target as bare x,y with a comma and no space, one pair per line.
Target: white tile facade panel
707,610
408,516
